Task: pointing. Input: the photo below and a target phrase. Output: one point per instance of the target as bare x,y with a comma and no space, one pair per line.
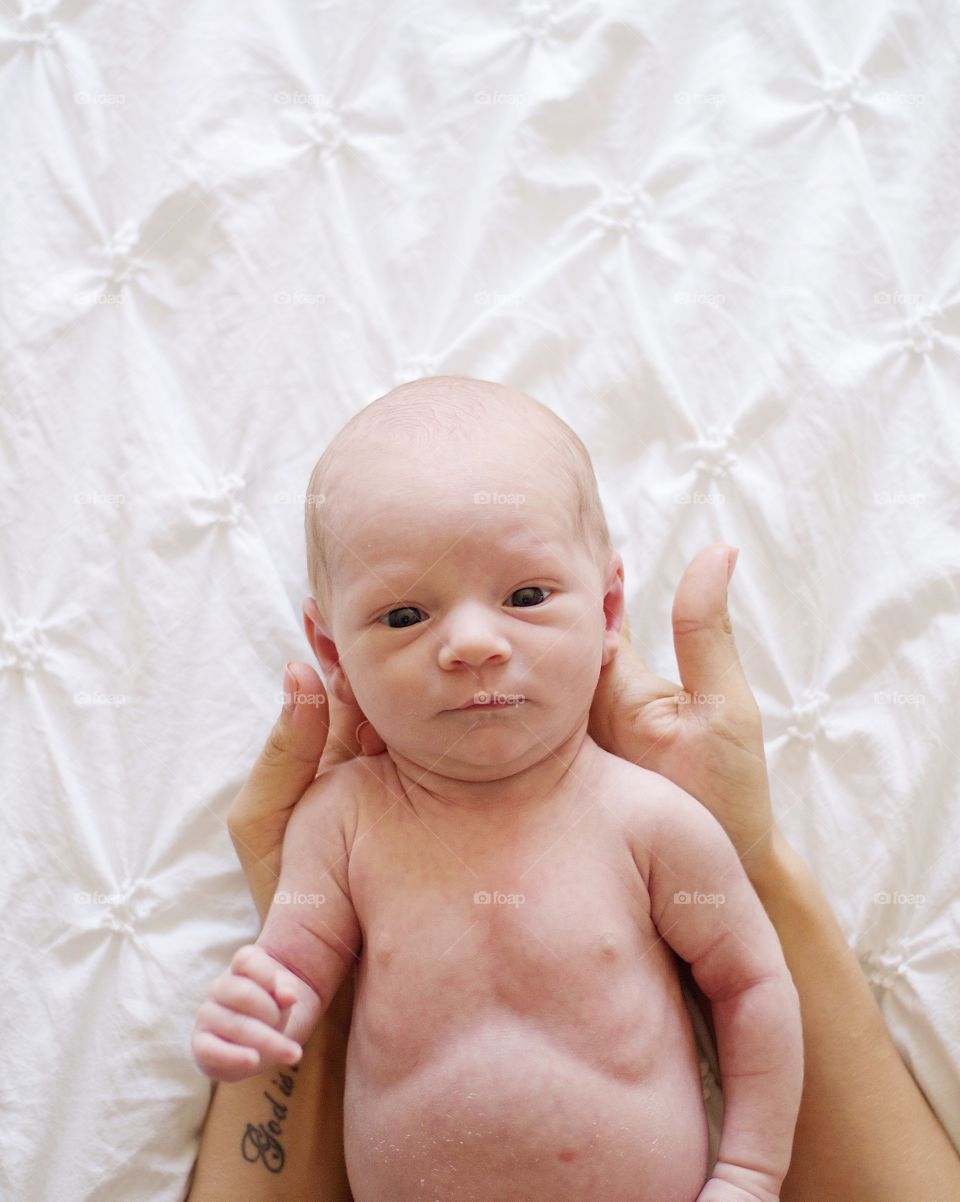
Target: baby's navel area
502,1114
530,1046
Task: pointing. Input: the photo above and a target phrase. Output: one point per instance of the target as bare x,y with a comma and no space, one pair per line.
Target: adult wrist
775,872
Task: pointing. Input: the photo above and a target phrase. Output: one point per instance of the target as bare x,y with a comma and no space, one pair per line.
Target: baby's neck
526,787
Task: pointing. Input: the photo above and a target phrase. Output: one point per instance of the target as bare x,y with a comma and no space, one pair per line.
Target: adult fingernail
289,689
356,735
732,562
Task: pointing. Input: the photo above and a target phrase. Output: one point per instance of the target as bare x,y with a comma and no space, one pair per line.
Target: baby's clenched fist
238,1031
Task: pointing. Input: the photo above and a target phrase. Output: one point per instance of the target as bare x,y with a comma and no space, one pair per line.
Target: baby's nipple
608,945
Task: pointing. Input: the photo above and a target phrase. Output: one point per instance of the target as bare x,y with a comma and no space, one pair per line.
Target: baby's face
469,586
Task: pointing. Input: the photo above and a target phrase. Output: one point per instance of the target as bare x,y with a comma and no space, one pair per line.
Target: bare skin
893,1148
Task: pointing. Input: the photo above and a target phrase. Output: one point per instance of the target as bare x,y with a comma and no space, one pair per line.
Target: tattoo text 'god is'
261,1142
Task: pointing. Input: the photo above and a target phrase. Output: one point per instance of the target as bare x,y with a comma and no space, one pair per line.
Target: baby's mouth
493,701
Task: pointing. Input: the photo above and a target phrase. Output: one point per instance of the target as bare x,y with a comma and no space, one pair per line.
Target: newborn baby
511,894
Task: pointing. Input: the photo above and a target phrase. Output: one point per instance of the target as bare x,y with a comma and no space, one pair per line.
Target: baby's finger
249,1032
222,1060
245,997
253,962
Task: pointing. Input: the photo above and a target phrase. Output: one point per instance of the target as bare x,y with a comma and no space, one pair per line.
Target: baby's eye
412,609
404,609
531,588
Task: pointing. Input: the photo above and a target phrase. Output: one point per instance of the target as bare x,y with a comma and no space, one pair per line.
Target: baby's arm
266,1006
706,909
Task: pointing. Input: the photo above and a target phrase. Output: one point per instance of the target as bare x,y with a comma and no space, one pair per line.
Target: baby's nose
471,638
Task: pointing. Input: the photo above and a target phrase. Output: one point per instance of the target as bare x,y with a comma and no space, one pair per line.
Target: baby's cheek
579,658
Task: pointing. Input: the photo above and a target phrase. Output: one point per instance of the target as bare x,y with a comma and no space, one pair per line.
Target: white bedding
719,240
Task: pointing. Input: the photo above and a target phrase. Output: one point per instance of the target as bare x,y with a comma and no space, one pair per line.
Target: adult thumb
703,640
288,761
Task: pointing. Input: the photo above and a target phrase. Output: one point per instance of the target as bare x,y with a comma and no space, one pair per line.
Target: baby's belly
504,1114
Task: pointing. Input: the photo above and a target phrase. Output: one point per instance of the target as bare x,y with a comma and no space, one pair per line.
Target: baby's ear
613,607
325,649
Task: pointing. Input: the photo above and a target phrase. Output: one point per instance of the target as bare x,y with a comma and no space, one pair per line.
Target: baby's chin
487,757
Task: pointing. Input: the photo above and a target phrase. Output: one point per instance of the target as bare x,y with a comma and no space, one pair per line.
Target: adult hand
705,735
318,730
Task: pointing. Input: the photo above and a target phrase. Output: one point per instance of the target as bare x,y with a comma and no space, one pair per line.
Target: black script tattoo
261,1141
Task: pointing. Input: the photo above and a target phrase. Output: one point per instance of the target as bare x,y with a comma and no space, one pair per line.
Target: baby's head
457,547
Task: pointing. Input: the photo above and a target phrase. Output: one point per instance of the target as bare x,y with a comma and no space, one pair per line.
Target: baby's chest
550,928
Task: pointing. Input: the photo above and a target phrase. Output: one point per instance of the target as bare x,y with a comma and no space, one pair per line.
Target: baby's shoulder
632,783
642,797
335,797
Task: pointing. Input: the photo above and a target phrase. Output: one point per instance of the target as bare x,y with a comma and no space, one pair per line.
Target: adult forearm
279,1135
865,1132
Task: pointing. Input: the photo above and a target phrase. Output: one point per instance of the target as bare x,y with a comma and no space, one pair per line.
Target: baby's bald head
434,425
